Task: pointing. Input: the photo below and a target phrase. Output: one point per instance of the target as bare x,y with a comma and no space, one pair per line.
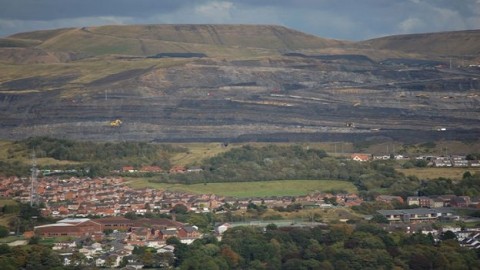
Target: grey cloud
61,9
341,19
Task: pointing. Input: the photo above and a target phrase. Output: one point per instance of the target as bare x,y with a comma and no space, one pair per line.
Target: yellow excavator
116,123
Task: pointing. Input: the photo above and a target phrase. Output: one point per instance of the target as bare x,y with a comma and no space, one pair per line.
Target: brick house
461,201
419,201
178,169
165,234
360,157
188,232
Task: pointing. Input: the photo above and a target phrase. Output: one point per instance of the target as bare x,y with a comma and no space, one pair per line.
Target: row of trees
13,168
339,246
469,185
365,246
62,149
32,257
95,158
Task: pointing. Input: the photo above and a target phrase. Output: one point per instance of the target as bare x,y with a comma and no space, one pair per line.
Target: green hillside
447,44
146,40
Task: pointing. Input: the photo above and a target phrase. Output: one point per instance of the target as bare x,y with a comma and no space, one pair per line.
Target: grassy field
252,189
433,173
198,151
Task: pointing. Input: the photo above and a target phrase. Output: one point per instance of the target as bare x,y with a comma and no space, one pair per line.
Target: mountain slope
230,82
446,44
146,40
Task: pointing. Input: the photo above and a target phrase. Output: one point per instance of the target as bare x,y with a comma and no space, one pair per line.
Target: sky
338,19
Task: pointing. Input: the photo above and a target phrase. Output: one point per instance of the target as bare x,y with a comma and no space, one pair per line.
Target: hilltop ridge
145,40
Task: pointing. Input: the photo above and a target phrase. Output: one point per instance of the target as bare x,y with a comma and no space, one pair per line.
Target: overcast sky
339,19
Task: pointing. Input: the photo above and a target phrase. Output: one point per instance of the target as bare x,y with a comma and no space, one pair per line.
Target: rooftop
73,220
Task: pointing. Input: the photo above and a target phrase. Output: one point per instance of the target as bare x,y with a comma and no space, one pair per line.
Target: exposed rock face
291,96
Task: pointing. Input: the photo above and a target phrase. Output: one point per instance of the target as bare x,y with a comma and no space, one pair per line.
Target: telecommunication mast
33,190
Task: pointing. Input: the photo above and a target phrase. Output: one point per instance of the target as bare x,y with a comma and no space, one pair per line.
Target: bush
421,163
3,231
407,165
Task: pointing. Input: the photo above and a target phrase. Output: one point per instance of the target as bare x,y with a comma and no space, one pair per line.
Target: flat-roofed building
69,227
416,215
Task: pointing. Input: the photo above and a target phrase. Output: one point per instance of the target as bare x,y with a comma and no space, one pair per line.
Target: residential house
167,233
461,201
360,157
178,169
438,203
92,250
447,199
129,169
141,234
474,163
5,192
419,201
189,232
442,162
475,202
384,157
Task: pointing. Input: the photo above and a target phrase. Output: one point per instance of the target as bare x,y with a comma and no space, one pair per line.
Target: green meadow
251,189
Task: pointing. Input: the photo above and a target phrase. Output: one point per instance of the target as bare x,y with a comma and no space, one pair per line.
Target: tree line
99,157
340,246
